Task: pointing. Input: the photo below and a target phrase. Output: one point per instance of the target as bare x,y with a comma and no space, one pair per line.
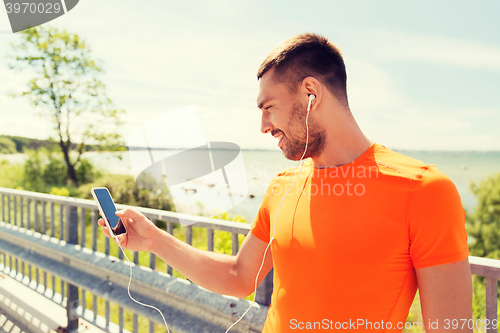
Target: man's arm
219,273
446,294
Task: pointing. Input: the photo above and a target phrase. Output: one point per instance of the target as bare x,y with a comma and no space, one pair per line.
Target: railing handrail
489,268
163,215
108,277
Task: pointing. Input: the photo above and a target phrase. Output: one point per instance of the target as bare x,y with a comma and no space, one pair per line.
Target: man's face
284,116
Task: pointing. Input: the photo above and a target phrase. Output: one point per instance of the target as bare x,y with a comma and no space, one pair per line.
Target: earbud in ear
311,97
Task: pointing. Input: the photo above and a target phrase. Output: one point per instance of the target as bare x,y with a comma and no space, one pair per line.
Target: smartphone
107,208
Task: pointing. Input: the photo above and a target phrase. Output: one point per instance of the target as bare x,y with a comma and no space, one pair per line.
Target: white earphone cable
128,288
277,212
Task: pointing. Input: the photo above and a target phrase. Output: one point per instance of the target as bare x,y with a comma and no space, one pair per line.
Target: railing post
491,302
3,208
234,243
265,290
72,291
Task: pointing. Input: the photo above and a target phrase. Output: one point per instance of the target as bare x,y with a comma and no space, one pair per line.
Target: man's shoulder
425,179
392,163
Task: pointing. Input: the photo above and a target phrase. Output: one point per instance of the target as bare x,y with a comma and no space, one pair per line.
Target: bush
85,172
55,171
45,169
125,191
11,175
63,191
7,146
33,172
483,227
222,239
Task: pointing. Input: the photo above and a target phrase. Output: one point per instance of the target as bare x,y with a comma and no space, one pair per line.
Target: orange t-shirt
348,240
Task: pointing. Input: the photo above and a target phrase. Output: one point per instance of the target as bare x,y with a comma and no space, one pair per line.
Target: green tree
483,225
66,88
7,146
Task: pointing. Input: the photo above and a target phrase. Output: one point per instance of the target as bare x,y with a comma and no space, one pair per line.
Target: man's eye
268,108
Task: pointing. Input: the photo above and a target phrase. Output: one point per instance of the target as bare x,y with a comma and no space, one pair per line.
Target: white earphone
311,98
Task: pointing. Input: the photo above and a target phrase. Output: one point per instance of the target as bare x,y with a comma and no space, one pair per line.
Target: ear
311,86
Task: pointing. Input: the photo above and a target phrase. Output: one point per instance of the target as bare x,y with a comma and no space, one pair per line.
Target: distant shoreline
22,142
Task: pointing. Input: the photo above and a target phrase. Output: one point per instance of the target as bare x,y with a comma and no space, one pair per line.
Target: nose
266,125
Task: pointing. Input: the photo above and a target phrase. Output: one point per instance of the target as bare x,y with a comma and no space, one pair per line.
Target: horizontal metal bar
48,293
182,302
163,215
485,267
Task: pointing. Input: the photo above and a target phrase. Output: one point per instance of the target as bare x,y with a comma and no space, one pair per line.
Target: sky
422,75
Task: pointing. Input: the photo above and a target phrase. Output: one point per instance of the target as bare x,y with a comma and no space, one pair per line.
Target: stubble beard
296,142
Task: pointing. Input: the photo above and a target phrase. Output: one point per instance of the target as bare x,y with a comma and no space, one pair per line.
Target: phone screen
108,208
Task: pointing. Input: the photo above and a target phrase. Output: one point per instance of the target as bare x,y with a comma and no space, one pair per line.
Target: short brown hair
307,55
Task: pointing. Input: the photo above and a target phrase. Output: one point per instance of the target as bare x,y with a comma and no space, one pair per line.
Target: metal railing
43,235
490,269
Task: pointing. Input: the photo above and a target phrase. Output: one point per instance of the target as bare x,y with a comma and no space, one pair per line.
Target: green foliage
33,172
23,144
11,175
66,89
55,172
7,146
85,171
44,170
483,224
483,227
222,239
63,191
125,191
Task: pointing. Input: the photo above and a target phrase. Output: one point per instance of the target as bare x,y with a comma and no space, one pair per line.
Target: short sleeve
436,221
261,225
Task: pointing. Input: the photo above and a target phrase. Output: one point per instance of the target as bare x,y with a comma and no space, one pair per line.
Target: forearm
213,271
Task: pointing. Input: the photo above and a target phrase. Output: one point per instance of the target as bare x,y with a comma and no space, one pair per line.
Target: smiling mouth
280,137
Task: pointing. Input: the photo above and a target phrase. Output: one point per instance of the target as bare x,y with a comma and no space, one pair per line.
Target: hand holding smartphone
107,209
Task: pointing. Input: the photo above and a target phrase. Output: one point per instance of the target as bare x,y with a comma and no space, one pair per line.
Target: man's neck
344,143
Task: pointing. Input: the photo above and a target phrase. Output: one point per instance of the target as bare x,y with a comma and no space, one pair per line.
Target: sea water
261,166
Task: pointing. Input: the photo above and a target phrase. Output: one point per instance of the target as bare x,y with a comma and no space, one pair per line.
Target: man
352,233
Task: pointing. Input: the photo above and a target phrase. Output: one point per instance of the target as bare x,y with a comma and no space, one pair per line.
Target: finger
101,222
105,231
129,213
